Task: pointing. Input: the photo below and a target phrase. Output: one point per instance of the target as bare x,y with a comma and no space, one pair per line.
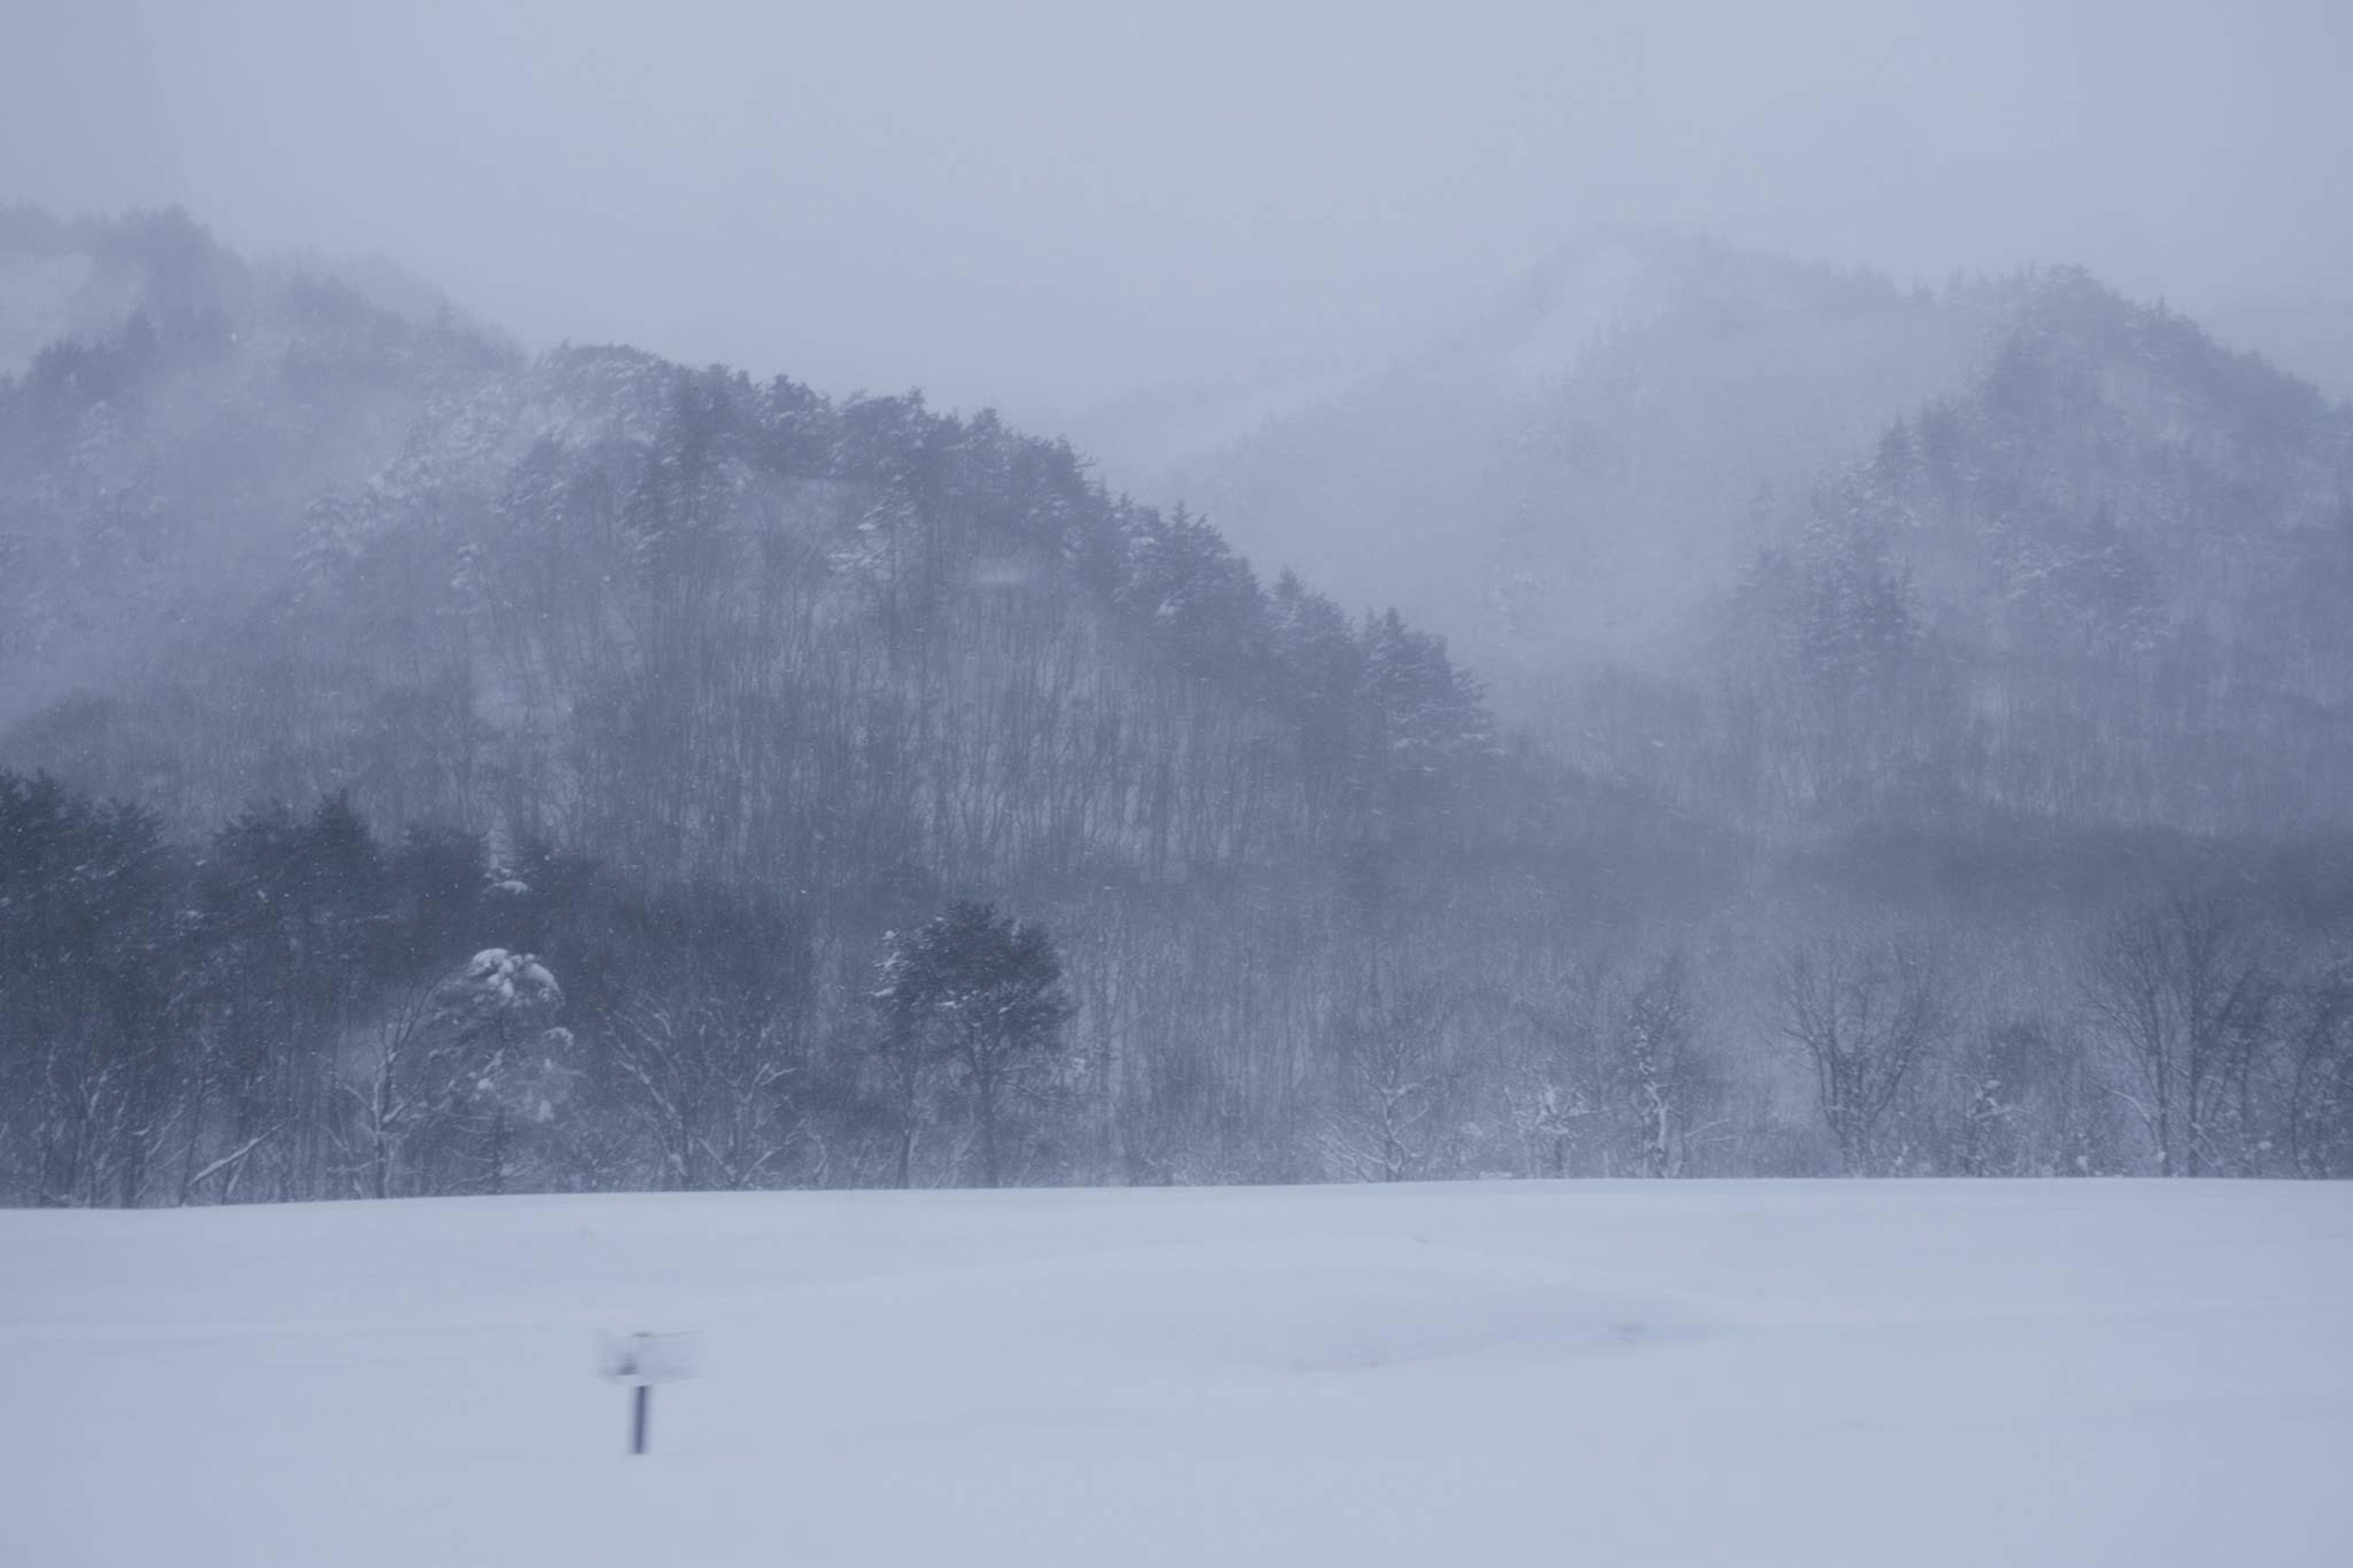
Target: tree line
298,1007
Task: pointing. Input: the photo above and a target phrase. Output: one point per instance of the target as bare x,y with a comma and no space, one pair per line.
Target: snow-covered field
1763,1373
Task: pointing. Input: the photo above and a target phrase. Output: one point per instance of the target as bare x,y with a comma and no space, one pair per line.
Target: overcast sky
1039,205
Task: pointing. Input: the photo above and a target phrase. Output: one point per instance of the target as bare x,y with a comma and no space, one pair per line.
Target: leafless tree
2184,994
1551,1088
710,1088
1393,1082
2316,1113
1866,1014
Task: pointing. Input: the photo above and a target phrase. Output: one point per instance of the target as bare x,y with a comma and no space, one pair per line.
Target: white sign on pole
642,1360
650,1358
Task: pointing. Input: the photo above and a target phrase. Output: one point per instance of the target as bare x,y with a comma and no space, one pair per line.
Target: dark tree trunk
985,1083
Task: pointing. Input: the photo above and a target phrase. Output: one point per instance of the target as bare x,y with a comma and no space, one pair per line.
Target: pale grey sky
1042,204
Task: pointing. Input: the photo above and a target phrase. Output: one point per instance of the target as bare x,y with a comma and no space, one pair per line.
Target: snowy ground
1762,1373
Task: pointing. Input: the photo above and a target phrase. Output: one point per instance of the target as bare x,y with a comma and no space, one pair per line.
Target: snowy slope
1579,471
1881,1374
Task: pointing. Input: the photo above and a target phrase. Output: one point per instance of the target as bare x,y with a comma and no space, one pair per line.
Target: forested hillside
160,454
1580,470
583,771
2102,587
1796,547
738,643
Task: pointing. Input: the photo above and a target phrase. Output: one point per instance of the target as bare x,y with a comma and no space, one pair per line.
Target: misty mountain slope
602,562
456,581
2312,338
2107,584
697,687
851,657
161,455
83,278
1795,547
1574,474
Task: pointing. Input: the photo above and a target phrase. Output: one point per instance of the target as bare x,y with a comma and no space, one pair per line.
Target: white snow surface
1881,1373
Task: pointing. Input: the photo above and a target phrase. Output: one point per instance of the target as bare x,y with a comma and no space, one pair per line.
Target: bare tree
2317,1116
1393,1080
709,1086
1654,1069
1866,1014
2184,994
1551,1088
384,1095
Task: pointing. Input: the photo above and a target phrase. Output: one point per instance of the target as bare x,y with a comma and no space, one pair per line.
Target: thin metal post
639,1407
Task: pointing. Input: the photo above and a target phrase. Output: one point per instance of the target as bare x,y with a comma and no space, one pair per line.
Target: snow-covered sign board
642,1360
650,1358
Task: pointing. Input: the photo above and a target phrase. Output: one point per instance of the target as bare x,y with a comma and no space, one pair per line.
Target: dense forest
437,768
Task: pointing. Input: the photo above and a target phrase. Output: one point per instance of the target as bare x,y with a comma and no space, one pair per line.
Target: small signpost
642,1360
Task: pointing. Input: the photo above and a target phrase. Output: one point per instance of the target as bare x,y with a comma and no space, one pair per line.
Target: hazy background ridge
1048,206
